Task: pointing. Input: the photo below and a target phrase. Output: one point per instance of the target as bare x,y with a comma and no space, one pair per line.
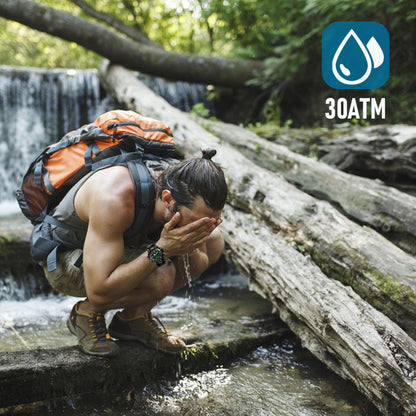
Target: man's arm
107,280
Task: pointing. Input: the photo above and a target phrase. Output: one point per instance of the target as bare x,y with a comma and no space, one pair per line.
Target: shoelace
152,320
98,327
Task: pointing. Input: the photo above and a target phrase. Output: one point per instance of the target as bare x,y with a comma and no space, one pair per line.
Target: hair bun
208,153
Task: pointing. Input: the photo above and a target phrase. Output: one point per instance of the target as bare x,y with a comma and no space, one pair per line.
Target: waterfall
182,95
38,106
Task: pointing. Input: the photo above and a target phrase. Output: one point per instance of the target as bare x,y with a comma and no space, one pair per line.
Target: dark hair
196,177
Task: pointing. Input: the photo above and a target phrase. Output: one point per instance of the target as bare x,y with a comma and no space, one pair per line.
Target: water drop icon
355,55
352,36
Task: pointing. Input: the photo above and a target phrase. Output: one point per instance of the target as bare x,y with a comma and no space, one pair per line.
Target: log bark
133,55
389,211
358,256
133,33
384,152
65,373
265,240
342,330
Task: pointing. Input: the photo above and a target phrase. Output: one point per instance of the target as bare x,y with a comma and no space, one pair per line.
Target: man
183,228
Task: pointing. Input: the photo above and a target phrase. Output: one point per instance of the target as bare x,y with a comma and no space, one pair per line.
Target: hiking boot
93,337
145,330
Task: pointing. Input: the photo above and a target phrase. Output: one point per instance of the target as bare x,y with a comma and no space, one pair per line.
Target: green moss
396,291
258,148
213,353
195,350
390,295
301,248
192,351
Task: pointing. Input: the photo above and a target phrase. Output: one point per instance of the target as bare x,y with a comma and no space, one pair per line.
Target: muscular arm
106,201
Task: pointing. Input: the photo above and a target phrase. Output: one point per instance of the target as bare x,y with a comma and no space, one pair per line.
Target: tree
273,45
131,54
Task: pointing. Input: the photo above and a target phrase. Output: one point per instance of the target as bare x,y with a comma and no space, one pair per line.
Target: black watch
156,254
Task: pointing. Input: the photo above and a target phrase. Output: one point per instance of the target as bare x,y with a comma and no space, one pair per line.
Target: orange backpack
114,137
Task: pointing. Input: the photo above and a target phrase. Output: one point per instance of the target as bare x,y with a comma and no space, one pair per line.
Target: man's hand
185,239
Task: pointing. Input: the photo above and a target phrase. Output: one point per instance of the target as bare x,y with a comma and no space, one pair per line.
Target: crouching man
181,238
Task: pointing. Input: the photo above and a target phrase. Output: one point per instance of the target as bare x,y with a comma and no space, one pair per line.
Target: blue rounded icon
355,55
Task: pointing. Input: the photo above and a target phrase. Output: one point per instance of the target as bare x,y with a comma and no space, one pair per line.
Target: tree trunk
133,55
115,23
270,241
385,152
358,256
387,210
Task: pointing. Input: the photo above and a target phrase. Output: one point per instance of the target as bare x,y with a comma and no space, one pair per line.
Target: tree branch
133,55
115,23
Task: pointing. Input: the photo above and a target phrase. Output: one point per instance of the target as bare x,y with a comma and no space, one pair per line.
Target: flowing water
38,106
278,379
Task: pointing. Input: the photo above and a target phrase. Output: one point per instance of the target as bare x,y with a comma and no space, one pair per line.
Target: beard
171,212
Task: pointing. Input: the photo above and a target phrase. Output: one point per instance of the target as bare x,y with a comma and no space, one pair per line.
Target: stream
279,379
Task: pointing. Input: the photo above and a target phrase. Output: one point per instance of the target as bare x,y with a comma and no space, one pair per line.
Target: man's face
198,211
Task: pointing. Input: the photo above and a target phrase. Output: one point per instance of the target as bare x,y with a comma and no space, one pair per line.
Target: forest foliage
284,34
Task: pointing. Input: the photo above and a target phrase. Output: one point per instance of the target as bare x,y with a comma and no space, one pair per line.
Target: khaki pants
69,279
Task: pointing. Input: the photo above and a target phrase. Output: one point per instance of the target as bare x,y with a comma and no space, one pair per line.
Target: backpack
115,137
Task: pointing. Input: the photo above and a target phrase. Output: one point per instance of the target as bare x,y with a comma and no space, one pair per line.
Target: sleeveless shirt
65,212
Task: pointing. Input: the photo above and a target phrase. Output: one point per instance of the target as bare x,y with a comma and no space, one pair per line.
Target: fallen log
389,211
39,376
358,256
352,338
300,223
384,152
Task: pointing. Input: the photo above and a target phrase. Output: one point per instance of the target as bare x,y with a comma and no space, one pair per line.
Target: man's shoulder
111,180
110,192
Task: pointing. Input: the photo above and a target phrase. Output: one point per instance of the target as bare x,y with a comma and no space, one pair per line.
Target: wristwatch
156,254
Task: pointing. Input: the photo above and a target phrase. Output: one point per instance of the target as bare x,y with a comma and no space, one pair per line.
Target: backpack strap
145,195
42,245
45,248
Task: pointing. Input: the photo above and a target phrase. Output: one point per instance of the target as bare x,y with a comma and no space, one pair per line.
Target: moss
214,355
192,351
301,248
396,292
258,148
196,350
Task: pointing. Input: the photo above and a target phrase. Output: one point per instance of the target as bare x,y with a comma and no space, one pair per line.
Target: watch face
157,253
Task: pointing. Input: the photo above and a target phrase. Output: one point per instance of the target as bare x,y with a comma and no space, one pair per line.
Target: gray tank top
65,212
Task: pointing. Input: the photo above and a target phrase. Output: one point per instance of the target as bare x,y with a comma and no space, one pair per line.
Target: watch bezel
156,254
